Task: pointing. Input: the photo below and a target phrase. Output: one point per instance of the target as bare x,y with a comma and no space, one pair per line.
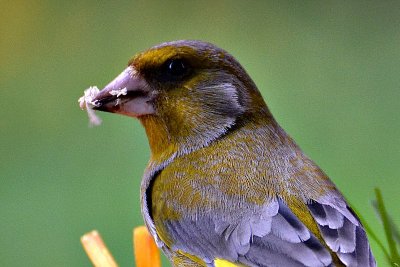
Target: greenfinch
225,184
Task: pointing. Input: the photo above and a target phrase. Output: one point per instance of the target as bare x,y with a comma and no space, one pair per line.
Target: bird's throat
162,146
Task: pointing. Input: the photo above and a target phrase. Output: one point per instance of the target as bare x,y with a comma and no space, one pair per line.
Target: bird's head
185,93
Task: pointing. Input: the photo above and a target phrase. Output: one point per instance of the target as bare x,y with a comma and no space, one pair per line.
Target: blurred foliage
329,71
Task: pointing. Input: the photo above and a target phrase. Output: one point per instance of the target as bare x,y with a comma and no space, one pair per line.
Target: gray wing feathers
288,227
289,243
260,255
343,233
338,231
269,236
227,237
197,238
273,236
362,255
273,251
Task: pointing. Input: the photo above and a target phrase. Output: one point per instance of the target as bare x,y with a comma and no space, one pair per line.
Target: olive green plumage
224,181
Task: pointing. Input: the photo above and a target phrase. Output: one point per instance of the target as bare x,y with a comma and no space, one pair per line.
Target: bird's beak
128,94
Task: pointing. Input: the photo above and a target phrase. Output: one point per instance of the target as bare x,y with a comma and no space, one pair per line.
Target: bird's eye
175,69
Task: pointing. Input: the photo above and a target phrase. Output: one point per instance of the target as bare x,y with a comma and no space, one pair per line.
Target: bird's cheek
134,107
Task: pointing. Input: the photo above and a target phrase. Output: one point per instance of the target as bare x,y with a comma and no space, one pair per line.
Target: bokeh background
329,71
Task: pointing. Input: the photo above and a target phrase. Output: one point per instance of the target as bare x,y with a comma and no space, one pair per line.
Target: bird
225,184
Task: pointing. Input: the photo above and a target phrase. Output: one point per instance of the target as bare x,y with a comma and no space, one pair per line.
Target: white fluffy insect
119,92
87,102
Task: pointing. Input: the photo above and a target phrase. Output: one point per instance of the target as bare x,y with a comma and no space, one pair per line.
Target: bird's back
254,198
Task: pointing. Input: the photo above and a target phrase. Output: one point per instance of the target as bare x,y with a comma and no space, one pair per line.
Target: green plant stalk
394,255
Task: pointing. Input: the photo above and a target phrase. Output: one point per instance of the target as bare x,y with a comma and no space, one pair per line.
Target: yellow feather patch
185,259
155,57
225,263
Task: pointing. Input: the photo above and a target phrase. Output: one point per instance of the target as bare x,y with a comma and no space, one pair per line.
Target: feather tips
342,233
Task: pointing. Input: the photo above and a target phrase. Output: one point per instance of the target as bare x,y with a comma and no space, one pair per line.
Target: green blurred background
329,71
